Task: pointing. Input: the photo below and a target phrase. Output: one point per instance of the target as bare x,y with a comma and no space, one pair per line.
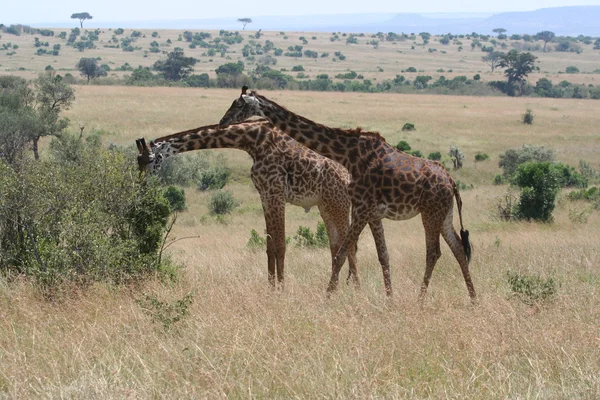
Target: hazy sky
40,11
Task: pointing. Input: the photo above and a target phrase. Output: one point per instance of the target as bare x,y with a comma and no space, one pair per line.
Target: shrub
403,146
539,183
457,157
256,241
590,194
528,117
297,68
568,176
214,178
305,238
416,153
572,70
183,169
498,179
176,198
512,158
222,202
481,157
531,289
80,217
408,127
410,69
436,156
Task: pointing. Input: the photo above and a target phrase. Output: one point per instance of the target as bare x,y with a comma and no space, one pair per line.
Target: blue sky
40,11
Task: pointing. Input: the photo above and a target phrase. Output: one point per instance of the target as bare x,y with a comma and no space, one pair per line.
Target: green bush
539,183
531,289
183,169
481,157
256,241
416,153
403,146
569,177
572,70
176,198
79,217
436,156
408,127
305,238
214,178
498,179
222,202
591,194
528,117
511,159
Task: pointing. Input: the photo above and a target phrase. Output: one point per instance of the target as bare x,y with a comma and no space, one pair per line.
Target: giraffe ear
251,100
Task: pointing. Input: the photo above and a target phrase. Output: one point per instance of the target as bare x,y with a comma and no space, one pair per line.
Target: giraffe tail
464,234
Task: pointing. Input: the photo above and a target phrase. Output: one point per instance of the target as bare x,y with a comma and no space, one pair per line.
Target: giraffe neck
337,144
243,136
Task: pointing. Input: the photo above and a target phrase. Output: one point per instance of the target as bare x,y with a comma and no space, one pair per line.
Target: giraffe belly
397,213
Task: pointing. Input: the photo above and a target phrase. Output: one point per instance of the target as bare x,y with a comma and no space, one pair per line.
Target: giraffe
282,171
386,183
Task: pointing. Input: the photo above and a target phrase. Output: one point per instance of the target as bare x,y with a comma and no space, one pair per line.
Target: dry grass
243,340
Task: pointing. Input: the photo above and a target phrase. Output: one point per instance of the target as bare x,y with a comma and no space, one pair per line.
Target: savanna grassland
376,63
241,339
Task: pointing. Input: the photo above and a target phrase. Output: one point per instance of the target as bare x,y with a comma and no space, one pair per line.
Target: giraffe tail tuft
464,237
464,234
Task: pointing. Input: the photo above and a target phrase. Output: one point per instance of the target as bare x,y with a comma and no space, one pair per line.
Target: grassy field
242,339
384,62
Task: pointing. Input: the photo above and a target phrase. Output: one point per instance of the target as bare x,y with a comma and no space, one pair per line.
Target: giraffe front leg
382,253
358,224
274,209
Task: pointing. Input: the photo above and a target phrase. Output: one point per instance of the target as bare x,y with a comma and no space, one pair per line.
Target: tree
492,59
517,66
29,113
176,67
81,17
245,21
89,68
499,31
546,36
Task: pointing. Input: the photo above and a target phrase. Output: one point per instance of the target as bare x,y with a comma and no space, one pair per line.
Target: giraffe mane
358,131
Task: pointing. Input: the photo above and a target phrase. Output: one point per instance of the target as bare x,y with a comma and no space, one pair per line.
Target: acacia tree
245,21
81,17
30,112
517,66
176,66
492,59
546,36
499,31
89,68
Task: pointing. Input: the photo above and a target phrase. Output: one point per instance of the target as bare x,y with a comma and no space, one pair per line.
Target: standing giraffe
283,171
386,183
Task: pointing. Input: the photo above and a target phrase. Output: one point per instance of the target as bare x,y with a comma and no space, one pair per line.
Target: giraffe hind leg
432,240
458,249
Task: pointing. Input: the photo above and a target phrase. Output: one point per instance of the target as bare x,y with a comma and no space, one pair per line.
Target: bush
481,157
569,177
572,70
214,178
79,217
221,203
305,238
403,146
528,117
436,156
457,157
511,159
256,241
176,198
498,180
410,69
183,169
408,127
531,289
415,153
539,183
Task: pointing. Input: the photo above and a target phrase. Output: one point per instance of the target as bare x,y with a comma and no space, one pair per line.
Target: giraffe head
150,158
242,108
